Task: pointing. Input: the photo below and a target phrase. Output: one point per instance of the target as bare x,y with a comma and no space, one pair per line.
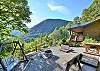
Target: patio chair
75,39
80,38
72,40
66,48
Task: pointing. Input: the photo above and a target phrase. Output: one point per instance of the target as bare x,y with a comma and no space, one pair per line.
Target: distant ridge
45,27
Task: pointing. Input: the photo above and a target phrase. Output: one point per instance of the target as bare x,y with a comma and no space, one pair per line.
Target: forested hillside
45,27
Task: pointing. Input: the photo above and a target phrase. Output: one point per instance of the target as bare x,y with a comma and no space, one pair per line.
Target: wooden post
70,32
36,47
22,50
14,48
68,66
87,47
97,49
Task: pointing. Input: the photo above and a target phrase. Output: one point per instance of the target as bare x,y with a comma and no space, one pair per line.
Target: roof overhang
91,28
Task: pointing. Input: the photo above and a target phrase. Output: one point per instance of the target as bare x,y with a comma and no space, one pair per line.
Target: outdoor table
58,62
96,45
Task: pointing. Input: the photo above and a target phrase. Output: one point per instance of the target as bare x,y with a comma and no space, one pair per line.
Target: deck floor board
57,62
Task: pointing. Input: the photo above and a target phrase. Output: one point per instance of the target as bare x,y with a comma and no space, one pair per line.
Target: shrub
89,40
64,41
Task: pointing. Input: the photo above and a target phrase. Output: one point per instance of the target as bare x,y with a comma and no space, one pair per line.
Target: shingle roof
82,24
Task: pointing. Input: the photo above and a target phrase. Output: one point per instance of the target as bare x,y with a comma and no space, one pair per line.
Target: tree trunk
22,50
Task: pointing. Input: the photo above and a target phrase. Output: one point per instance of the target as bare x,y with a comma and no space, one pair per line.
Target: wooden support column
97,49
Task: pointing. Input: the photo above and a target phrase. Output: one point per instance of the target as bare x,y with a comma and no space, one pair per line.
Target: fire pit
48,53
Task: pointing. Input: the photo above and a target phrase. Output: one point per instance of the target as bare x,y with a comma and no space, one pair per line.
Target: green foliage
89,40
13,14
70,24
92,12
6,48
58,35
88,14
43,41
64,41
28,48
76,20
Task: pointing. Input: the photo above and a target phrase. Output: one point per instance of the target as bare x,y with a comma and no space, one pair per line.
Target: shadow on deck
58,61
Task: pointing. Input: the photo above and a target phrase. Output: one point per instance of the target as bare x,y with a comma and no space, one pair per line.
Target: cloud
58,8
34,21
34,12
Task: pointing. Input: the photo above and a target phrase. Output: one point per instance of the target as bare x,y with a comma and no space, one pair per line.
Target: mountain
45,27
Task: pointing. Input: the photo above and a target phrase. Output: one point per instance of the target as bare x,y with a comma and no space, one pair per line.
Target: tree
61,33
13,16
88,14
92,12
76,20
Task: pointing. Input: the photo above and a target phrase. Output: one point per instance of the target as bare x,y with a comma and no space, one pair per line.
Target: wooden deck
58,61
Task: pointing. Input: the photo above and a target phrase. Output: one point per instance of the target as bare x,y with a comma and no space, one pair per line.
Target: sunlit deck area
59,61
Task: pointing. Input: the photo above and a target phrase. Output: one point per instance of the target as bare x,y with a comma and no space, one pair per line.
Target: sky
56,9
